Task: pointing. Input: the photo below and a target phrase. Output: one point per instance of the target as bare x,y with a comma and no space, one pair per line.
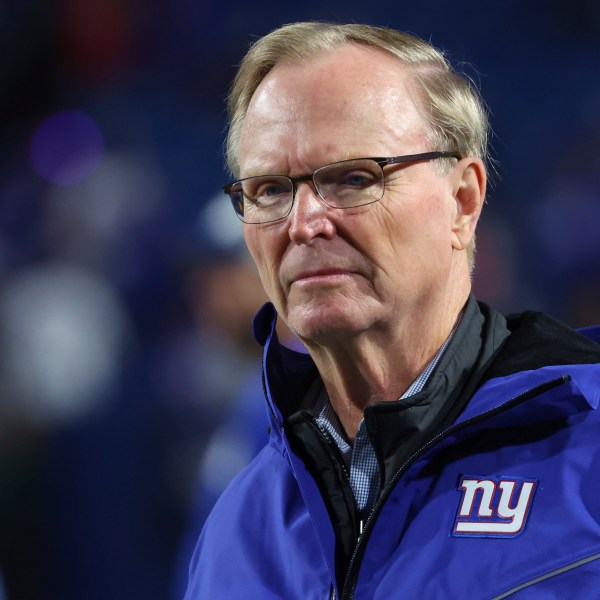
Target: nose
310,217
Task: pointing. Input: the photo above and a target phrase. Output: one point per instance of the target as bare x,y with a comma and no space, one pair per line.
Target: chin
323,322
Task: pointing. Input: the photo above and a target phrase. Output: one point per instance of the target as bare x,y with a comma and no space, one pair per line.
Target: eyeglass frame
382,161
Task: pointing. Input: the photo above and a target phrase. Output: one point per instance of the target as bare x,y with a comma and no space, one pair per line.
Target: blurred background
129,392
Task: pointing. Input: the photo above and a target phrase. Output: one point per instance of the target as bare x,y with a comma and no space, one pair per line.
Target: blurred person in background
100,434
426,445
226,292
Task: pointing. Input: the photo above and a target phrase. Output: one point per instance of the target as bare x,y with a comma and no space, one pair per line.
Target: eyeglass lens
345,184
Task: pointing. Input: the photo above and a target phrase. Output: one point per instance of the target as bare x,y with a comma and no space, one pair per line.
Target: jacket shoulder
537,340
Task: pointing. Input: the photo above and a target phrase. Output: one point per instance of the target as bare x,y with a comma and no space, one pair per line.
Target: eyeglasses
344,184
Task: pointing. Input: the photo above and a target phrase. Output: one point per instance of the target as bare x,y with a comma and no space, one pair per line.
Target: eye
262,191
356,179
270,194
270,189
349,176
353,179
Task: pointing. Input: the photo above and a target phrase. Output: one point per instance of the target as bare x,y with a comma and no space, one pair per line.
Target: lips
323,273
320,261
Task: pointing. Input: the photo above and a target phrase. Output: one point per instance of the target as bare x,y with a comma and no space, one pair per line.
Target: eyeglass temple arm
422,156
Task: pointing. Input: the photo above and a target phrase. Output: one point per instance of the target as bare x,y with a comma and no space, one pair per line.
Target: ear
469,186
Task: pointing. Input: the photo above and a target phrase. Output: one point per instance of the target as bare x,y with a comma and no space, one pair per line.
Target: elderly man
426,446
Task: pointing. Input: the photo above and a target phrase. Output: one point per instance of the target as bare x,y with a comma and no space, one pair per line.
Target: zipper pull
361,525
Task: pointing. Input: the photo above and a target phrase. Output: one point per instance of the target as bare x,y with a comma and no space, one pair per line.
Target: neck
380,364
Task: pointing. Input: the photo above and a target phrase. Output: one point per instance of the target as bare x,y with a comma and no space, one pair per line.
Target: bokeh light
62,332
67,147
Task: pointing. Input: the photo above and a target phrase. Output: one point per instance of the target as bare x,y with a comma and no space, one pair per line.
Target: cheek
430,218
413,237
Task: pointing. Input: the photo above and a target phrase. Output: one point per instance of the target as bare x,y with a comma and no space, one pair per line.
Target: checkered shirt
360,457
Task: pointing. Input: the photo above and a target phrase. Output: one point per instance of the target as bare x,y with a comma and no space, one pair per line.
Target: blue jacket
499,496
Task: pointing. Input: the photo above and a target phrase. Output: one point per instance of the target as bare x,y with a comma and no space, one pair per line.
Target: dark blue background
94,498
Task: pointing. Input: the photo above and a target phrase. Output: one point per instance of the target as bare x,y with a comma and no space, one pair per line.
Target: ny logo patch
493,506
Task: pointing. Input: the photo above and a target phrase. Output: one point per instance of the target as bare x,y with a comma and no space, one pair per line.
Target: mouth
325,275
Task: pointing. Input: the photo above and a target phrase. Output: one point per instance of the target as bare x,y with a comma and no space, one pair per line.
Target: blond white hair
451,105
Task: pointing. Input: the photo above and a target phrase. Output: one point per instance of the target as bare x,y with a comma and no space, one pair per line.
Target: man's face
335,273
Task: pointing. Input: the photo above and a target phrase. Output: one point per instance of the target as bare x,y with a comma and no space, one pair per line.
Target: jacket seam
545,576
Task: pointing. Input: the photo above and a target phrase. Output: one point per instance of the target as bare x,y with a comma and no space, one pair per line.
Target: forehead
352,100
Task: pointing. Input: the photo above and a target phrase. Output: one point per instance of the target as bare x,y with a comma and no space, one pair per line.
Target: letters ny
493,506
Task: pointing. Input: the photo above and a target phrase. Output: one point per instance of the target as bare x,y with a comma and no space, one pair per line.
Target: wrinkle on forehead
353,97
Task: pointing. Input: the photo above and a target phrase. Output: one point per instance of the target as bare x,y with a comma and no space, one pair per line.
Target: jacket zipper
329,439
349,586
